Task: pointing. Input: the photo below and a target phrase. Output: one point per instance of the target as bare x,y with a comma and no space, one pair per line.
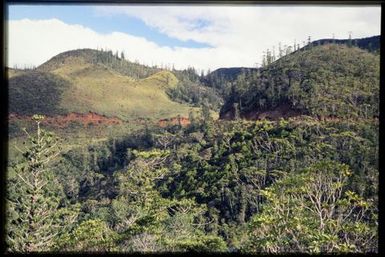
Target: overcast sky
206,37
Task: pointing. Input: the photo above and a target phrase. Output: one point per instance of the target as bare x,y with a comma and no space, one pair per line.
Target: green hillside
371,44
36,92
93,81
105,58
303,184
327,80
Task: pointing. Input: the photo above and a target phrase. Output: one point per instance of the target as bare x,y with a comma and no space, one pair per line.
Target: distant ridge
371,44
326,80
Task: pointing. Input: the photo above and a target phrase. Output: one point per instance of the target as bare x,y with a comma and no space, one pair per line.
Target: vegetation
210,186
191,90
313,212
306,184
36,214
85,81
324,81
36,92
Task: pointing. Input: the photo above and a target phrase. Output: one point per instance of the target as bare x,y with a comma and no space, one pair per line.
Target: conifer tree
34,218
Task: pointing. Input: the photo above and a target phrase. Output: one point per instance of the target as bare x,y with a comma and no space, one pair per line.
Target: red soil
183,121
282,111
92,118
65,120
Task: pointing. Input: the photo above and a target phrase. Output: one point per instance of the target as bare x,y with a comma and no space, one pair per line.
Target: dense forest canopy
290,165
328,80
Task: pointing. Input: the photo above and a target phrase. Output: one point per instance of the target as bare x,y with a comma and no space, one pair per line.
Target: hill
11,72
36,92
225,74
84,81
325,80
105,58
371,44
301,184
221,79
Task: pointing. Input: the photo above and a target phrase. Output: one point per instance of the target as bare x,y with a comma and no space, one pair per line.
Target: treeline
370,44
118,63
290,185
191,90
324,81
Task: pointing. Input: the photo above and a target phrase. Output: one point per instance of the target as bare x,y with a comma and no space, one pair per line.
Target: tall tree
314,212
34,216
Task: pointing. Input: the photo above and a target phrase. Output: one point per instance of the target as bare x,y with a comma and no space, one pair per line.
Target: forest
277,159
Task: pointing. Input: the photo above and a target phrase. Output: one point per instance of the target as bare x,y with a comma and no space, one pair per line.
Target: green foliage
89,80
190,90
229,172
89,236
313,212
327,80
222,79
202,244
291,185
200,188
36,92
101,57
36,211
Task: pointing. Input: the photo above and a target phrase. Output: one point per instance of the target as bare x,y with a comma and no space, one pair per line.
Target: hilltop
325,78
291,166
219,76
330,80
371,44
86,80
223,79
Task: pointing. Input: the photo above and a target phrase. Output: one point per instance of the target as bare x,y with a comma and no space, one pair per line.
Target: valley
131,158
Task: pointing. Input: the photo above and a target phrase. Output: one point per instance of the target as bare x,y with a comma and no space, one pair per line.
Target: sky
205,37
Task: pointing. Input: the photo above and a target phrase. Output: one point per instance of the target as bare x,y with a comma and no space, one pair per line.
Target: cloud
254,28
32,42
237,34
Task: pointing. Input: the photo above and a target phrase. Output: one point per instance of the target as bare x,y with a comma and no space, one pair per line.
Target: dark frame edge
4,124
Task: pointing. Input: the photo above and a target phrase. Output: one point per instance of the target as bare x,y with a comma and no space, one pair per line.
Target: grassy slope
99,88
89,87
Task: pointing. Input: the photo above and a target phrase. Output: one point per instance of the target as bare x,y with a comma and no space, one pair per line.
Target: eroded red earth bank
92,118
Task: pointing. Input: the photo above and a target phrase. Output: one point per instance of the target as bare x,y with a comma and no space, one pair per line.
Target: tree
208,121
264,62
91,236
237,114
269,57
350,39
138,204
183,230
280,51
34,216
314,212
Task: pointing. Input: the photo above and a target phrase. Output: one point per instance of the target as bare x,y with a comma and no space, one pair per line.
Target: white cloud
247,22
32,42
237,34
249,30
